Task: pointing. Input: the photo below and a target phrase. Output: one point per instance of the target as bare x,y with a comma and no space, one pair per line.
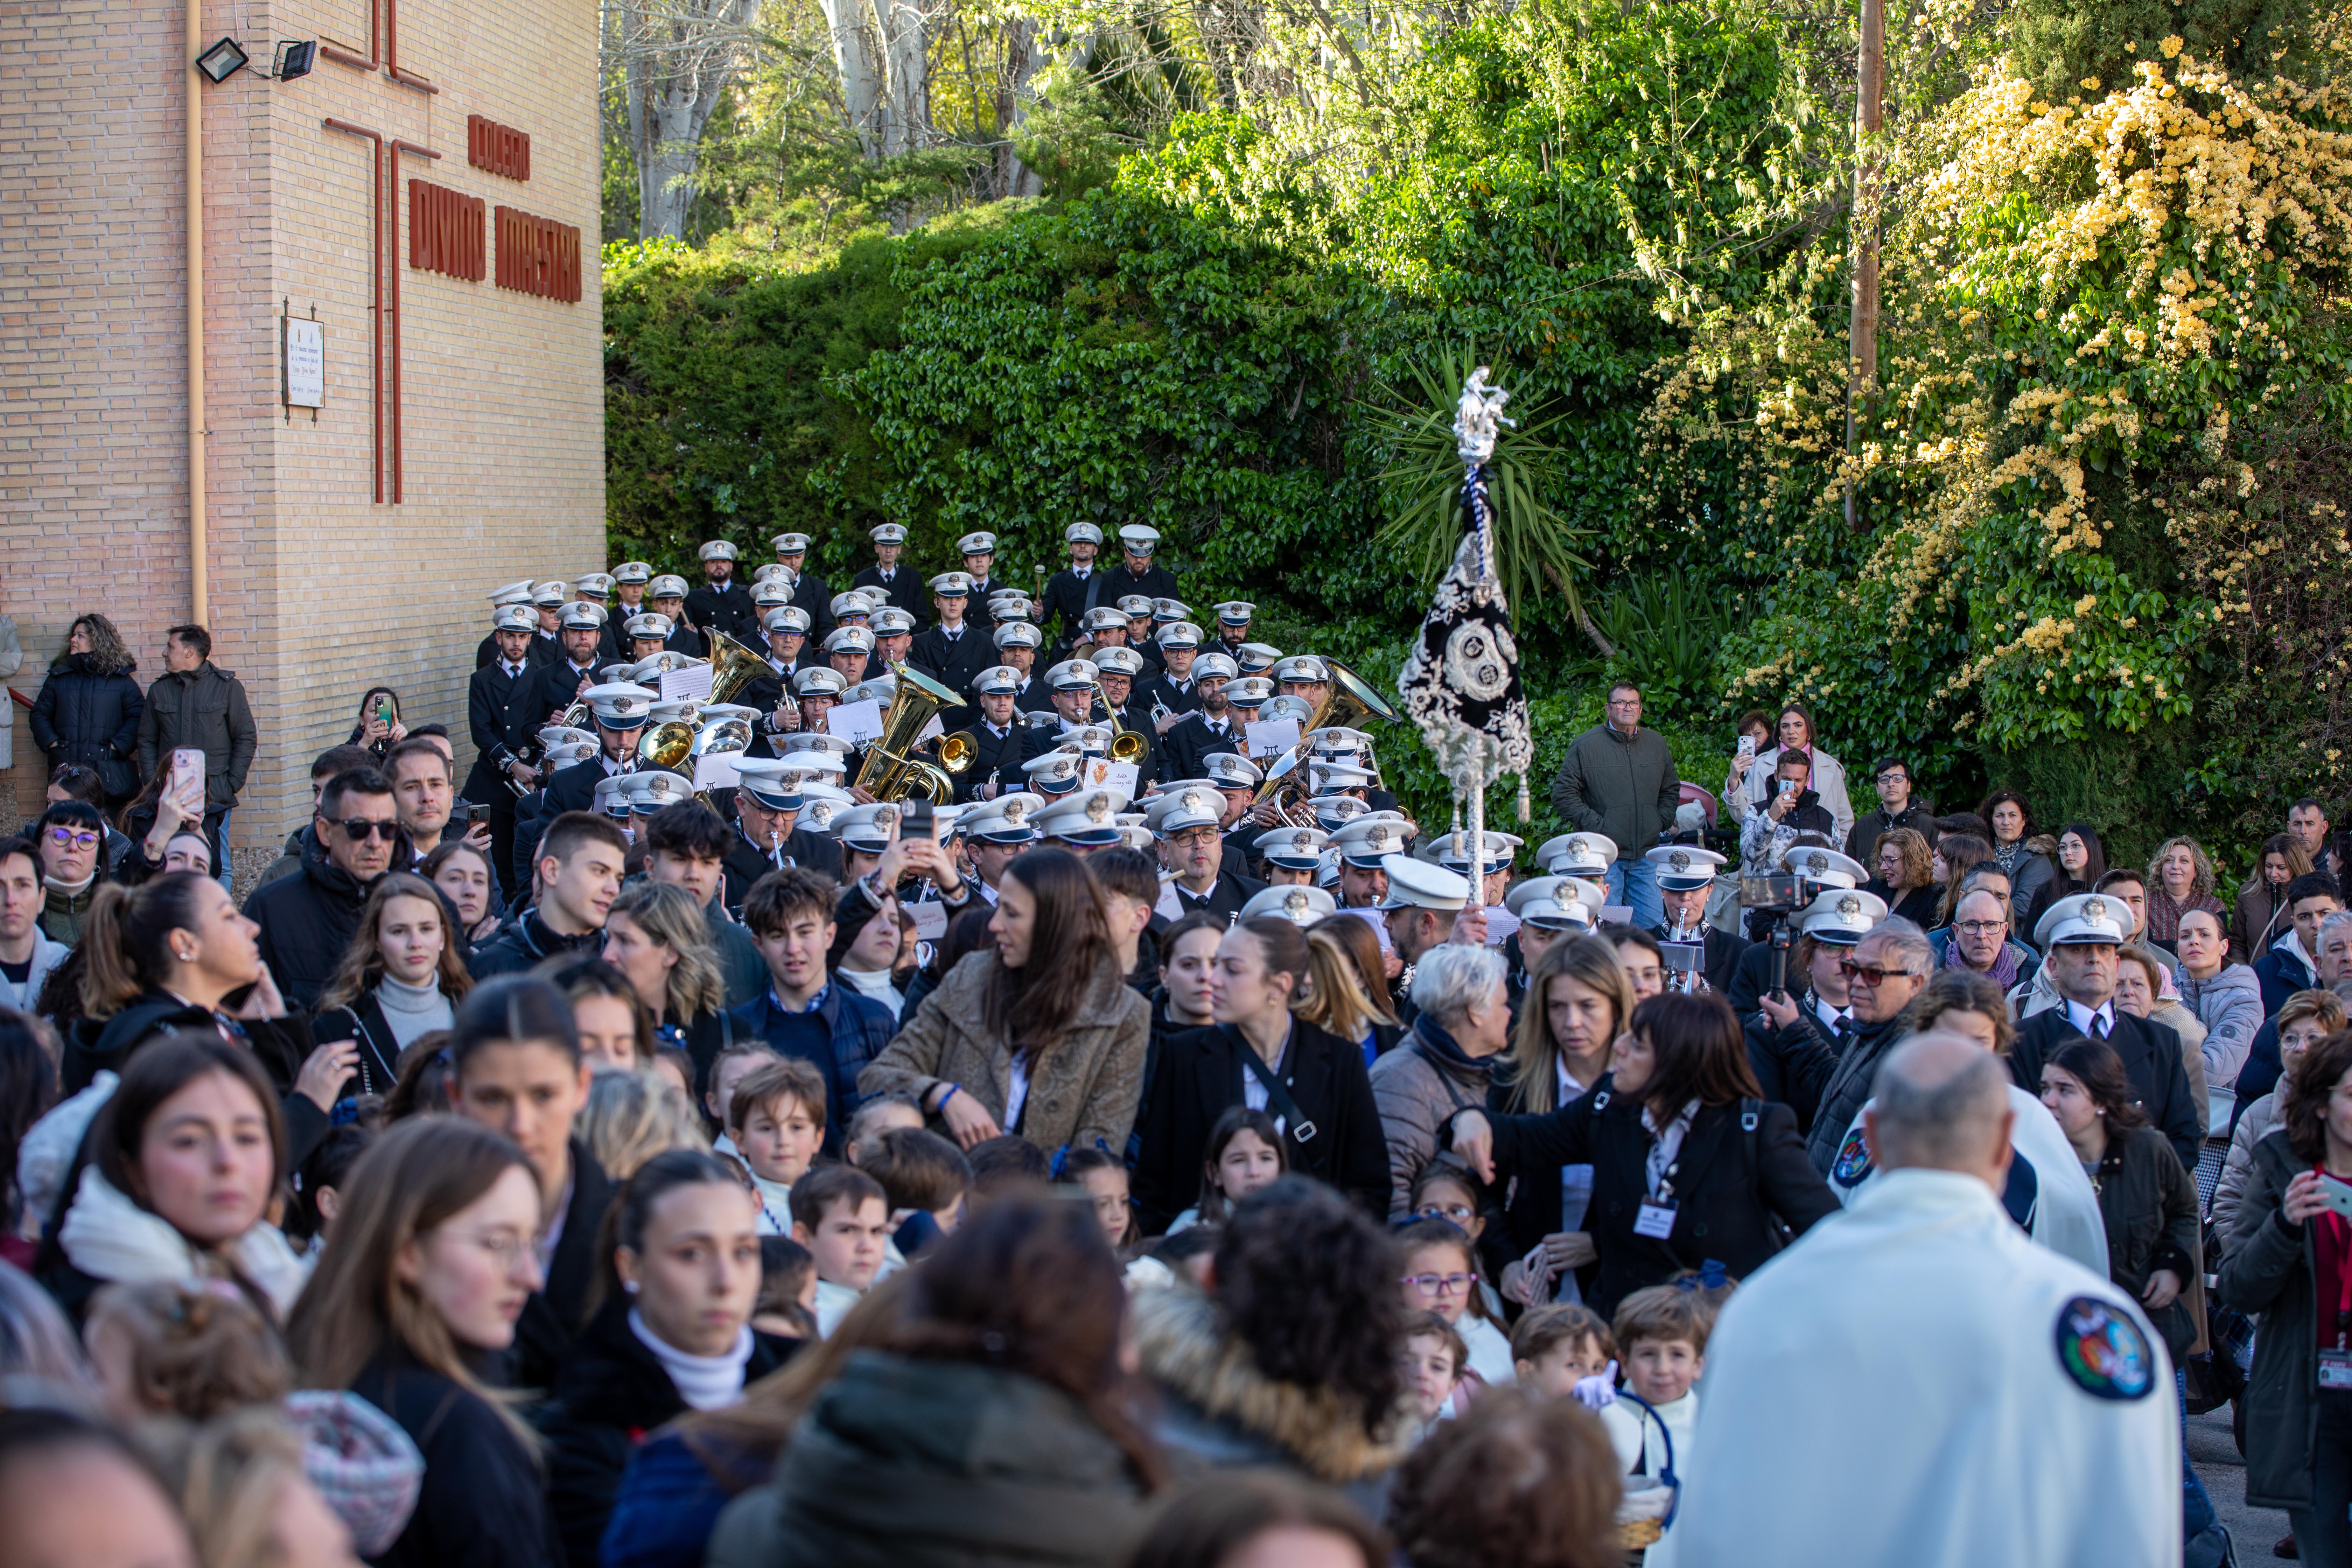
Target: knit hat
363,1465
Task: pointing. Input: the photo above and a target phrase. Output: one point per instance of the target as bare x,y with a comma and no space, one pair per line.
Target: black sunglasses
357,829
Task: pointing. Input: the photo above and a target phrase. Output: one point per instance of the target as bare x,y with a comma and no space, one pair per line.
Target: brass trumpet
1126,744
1351,700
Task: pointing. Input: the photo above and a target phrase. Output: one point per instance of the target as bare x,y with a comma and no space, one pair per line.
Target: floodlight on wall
294,58
222,62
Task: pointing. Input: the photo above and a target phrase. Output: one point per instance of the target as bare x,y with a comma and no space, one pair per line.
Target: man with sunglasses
307,919
1887,968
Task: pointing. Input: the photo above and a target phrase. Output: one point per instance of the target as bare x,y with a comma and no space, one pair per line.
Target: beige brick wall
316,592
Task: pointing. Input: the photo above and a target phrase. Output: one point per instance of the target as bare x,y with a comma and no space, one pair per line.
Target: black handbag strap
1278,1095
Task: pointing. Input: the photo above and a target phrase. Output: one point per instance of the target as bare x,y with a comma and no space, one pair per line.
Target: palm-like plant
1412,418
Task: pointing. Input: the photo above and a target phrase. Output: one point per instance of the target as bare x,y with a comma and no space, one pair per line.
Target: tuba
1351,700
733,667
891,770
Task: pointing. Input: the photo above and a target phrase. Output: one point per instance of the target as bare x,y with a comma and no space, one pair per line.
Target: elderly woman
2180,879
1677,1175
1445,1062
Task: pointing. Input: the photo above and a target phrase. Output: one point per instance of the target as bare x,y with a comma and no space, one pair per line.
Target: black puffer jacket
307,920
610,1395
88,715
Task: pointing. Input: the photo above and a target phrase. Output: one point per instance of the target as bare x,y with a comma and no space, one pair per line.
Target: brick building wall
315,590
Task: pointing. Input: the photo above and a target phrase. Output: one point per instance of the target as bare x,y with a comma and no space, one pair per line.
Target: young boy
1555,1348
1662,1334
776,1117
840,1213
727,1071
1432,1362
880,1114
924,1179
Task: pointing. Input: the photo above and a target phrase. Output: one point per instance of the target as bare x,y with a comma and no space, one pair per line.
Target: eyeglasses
64,836
1193,838
1894,778
1624,702
1460,1214
357,829
1869,975
1979,928
1439,1284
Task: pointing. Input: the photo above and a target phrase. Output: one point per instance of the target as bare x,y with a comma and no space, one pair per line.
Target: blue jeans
1634,881
220,848
2196,1515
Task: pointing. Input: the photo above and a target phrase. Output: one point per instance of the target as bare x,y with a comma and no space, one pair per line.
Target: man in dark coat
194,703
307,920
902,584
1211,727
955,650
2079,936
979,551
1066,592
1685,876
619,712
1117,671
809,590
1618,778
629,580
1897,808
1001,740
579,867
501,715
1134,572
512,594
1186,825
562,681
721,604
766,800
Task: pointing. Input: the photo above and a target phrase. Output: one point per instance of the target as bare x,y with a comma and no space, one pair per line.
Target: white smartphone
1747,748
2335,1195
188,773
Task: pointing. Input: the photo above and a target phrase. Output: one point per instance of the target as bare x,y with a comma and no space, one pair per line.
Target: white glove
1598,1392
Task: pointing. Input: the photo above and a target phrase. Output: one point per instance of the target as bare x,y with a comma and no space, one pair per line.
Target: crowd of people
703,1134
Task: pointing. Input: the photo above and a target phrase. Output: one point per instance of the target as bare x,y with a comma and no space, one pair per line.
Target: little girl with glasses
1441,1275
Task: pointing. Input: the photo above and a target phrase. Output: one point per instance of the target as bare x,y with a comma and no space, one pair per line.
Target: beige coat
1082,1095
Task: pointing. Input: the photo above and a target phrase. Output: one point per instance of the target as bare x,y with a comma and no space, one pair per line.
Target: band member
902,585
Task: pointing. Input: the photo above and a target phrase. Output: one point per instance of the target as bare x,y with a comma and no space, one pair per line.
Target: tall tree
676,57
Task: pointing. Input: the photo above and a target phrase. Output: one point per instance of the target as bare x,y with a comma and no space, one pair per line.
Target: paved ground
2215,1455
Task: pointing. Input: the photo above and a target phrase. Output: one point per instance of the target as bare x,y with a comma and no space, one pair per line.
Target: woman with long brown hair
1579,1000
1037,1034
402,977
1349,937
185,1158
88,711
990,1423
1679,1092
426,1271
2262,913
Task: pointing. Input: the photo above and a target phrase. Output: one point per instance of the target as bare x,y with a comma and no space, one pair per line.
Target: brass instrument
957,750
1126,745
891,771
1689,982
1351,700
674,745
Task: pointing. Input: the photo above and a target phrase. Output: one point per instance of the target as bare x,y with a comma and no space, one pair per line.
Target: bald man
1917,1382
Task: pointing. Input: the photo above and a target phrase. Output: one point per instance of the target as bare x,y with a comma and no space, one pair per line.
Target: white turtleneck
704,1381
875,985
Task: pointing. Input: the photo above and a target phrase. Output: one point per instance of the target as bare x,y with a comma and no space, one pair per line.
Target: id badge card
1656,1221
2335,1370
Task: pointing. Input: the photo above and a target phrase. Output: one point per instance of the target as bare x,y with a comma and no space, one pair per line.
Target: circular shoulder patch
2104,1350
1853,1160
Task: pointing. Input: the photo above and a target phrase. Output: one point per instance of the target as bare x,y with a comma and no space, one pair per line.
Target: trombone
1351,698
1126,744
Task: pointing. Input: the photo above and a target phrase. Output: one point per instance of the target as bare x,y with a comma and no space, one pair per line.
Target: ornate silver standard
1461,680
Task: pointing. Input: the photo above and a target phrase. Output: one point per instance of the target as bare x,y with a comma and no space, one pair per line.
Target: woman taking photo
88,711
1902,876
988,1421
1796,733
462,872
1578,999
867,946
165,832
379,728
655,935
2263,914
1037,1035
402,977
432,1257
170,955
681,1273
1260,1054
2180,879
185,1158
1665,1127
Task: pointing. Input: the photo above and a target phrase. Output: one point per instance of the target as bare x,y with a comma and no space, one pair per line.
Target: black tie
2100,1025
